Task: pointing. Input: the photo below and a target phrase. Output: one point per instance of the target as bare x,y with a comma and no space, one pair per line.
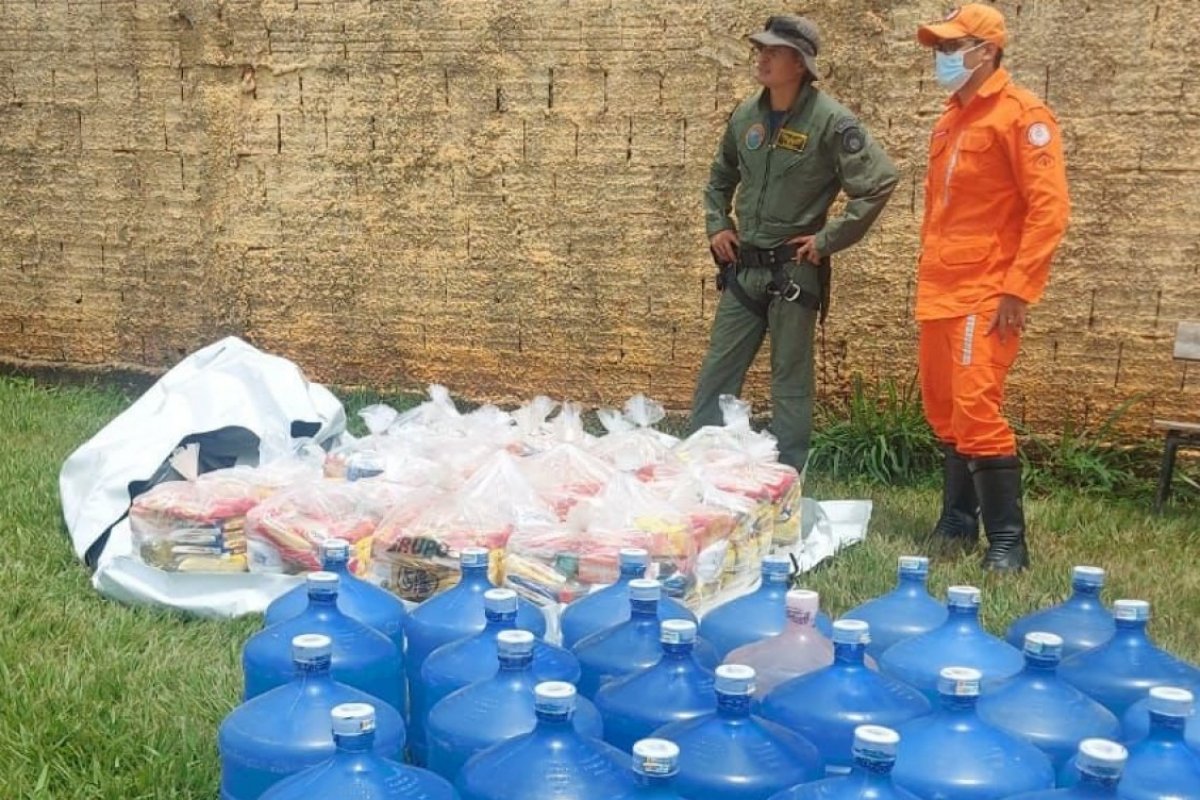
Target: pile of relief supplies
553,503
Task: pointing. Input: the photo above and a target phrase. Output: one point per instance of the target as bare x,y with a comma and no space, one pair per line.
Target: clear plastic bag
632,441
284,532
566,474
416,555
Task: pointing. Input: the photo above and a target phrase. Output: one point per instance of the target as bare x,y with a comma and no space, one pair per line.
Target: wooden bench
1179,434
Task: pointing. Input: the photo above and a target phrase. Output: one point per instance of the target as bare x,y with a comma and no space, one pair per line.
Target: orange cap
972,21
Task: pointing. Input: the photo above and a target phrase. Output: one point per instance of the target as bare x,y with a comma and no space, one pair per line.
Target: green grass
99,700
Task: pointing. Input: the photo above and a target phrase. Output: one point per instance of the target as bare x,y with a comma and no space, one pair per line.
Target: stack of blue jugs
953,713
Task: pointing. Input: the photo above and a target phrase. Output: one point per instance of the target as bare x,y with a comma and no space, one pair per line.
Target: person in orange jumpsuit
996,208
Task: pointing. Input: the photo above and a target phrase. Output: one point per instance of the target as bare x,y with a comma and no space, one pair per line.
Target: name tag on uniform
792,140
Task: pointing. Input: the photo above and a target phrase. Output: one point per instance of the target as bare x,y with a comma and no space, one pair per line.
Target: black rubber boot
957,530
998,485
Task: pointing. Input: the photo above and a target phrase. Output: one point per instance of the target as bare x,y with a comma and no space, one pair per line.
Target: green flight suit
780,184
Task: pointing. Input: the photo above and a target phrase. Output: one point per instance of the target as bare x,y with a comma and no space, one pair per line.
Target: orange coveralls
996,207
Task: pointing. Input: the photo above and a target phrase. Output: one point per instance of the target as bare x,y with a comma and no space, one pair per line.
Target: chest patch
792,140
755,136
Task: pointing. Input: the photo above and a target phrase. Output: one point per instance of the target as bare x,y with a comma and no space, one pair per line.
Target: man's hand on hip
806,248
1009,318
725,245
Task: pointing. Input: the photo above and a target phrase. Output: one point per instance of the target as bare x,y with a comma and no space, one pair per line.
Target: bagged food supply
632,442
199,524
736,435
284,532
565,561
364,457
566,474
534,432
416,555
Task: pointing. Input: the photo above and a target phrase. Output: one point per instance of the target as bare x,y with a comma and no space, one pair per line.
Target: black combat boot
957,530
998,486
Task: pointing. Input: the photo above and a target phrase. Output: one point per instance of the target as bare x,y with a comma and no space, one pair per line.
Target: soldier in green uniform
786,154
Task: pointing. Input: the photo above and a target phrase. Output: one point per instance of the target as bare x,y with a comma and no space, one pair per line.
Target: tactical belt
781,285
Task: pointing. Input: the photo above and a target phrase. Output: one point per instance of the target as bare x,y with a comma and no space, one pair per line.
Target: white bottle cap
851,631
1131,610
1090,576
500,601
353,719
335,549
959,682
913,565
1171,701
1101,758
656,757
1044,645
645,589
322,582
514,644
633,556
554,697
802,605
963,596
309,648
473,557
875,742
677,631
735,679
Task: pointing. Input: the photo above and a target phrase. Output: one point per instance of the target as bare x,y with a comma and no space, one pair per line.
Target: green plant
878,432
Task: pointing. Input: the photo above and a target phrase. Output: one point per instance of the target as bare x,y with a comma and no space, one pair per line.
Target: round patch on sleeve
1038,134
755,136
853,140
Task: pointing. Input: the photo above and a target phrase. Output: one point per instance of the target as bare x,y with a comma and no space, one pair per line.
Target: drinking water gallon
1081,620
869,779
286,729
357,771
678,687
906,611
362,656
827,706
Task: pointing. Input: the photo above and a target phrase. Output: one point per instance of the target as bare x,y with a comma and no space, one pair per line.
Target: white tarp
227,384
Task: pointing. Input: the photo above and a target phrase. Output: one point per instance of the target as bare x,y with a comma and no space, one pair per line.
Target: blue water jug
954,755
495,709
1121,671
357,771
678,687
960,641
1100,764
357,599
827,706
362,656
1135,725
629,646
906,611
1045,710
551,762
734,755
1162,766
609,606
757,615
1081,620
286,730
457,664
870,778
655,765
452,615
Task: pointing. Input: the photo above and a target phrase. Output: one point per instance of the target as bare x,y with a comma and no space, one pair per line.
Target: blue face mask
951,73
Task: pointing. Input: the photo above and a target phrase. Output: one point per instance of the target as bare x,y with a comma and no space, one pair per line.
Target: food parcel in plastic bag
566,474
632,441
565,561
415,553
199,524
355,458
284,532
740,460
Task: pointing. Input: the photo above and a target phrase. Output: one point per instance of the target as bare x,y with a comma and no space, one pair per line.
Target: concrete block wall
505,196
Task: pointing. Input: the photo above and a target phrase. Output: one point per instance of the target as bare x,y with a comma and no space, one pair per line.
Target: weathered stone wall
504,195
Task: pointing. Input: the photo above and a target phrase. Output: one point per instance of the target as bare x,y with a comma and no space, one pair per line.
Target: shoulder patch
1038,134
854,139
